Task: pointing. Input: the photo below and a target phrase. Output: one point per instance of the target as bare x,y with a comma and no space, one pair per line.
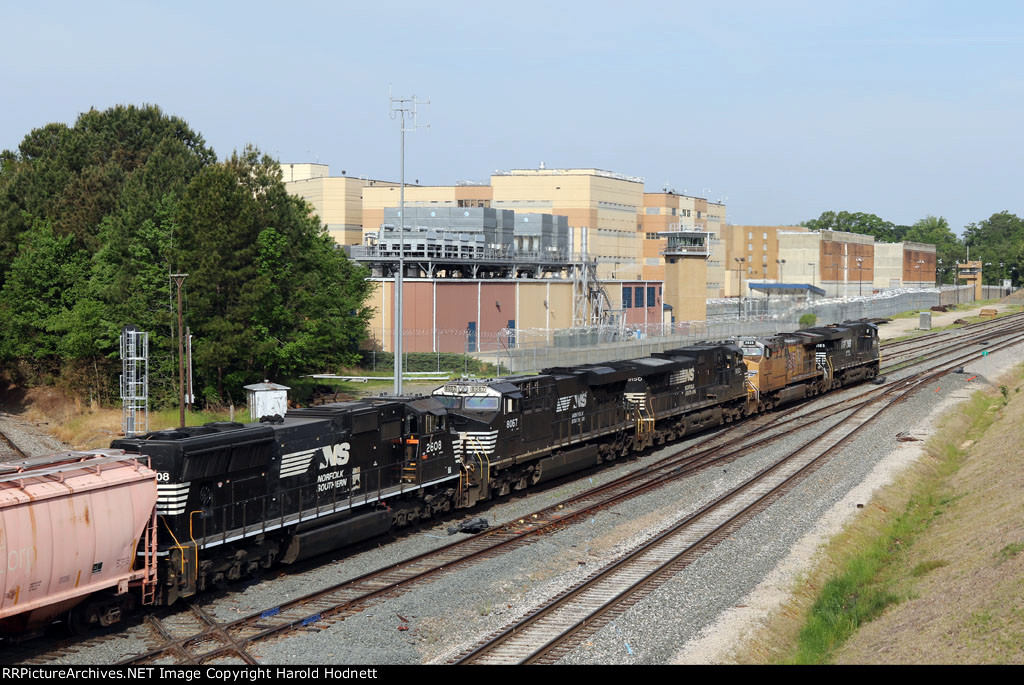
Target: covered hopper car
77,538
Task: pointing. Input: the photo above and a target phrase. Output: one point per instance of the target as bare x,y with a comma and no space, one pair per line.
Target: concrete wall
685,287
606,204
919,264
758,246
437,313
802,252
338,201
888,265
301,172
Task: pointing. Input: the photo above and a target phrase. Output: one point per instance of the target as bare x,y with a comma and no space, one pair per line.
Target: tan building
609,215
904,265
840,263
599,204
337,200
888,265
668,211
752,254
304,171
919,265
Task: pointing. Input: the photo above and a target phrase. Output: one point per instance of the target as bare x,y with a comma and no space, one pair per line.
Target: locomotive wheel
78,620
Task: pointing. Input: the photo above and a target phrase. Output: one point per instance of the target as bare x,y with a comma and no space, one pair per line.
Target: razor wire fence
508,351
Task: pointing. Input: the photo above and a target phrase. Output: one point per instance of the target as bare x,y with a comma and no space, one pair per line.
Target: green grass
169,418
927,566
1010,551
870,579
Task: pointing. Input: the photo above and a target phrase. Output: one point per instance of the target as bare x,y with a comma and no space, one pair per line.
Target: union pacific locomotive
235,498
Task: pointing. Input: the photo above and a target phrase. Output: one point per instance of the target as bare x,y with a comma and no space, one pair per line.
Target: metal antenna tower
134,381
591,304
402,109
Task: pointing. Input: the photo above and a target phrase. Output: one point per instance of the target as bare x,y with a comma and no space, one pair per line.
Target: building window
750,247
750,235
766,236
639,301
627,297
650,296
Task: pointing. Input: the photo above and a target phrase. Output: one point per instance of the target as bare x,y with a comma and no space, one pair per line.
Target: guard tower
686,273
970,274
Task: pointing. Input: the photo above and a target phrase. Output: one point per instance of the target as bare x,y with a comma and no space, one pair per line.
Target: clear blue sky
786,109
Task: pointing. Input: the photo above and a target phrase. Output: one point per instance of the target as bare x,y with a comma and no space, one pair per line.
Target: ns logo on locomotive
232,498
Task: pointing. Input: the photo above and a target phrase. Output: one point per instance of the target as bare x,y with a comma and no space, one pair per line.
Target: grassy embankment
82,426
931,571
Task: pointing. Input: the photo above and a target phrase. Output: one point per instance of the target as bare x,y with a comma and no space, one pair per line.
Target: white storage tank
267,399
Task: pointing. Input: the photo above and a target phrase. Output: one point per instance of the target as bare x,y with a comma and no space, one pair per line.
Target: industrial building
581,235
337,200
905,265
478,278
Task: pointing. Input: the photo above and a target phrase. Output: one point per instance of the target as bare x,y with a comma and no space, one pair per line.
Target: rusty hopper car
70,527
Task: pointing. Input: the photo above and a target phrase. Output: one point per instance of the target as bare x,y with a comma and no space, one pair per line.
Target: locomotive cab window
449,402
482,403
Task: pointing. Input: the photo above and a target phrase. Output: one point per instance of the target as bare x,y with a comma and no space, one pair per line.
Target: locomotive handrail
233,520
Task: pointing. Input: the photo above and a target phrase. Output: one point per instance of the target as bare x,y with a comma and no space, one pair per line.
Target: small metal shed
267,399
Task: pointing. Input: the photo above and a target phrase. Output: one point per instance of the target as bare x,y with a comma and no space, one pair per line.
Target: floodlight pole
400,109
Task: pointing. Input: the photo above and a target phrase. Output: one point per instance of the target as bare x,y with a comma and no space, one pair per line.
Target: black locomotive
234,498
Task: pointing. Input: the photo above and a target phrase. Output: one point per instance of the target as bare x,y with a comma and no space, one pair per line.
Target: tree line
998,242
95,217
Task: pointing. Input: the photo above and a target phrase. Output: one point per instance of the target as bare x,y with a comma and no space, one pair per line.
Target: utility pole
401,108
179,280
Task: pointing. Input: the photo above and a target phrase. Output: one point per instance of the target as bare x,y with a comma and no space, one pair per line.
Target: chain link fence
531,350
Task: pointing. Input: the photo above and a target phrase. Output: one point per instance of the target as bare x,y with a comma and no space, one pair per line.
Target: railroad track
207,640
8,450
979,333
924,341
552,630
